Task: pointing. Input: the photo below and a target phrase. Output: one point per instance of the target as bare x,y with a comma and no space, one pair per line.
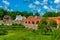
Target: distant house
19,17
6,17
31,22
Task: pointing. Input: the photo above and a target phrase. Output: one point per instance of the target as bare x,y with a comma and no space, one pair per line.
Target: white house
19,17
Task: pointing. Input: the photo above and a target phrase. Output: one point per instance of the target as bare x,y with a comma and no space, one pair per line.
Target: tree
37,14
50,14
30,14
25,14
1,13
13,14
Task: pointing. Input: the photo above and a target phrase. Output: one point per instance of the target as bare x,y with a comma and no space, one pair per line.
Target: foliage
3,32
51,14
2,13
37,14
52,23
12,27
42,26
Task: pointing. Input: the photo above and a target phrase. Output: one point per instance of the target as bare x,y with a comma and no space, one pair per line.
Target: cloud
57,1
39,10
32,6
6,2
45,1
37,2
9,9
49,8
46,7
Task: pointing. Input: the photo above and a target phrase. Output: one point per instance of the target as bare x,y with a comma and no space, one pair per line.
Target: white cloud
51,9
32,6
10,9
6,2
45,1
37,2
57,1
46,7
39,10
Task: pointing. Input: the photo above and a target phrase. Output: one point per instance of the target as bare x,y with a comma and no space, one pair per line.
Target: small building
31,22
19,17
6,17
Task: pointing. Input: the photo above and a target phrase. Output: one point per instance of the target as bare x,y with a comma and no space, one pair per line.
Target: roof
6,16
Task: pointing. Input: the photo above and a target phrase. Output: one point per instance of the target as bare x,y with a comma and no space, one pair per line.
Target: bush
12,27
42,26
52,23
3,32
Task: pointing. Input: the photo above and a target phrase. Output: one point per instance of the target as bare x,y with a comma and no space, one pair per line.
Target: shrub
42,26
52,23
12,27
3,32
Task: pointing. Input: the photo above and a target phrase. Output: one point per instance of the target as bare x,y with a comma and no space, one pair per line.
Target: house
31,21
19,17
6,17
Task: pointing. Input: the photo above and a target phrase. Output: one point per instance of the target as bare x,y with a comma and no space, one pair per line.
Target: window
32,22
26,22
29,22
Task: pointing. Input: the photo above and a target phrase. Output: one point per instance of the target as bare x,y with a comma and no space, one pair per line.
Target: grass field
24,35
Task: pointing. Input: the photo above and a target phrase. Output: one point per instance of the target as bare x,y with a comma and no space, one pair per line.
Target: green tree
1,13
30,14
13,14
37,14
25,13
3,32
50,14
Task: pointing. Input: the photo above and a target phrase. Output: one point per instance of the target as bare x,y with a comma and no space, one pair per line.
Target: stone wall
31,26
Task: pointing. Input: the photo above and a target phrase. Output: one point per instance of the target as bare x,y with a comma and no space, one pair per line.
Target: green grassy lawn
24,35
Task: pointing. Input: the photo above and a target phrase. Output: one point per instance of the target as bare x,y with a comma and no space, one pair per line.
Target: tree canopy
51,14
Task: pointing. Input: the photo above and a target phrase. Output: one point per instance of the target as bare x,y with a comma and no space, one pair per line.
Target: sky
34,6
